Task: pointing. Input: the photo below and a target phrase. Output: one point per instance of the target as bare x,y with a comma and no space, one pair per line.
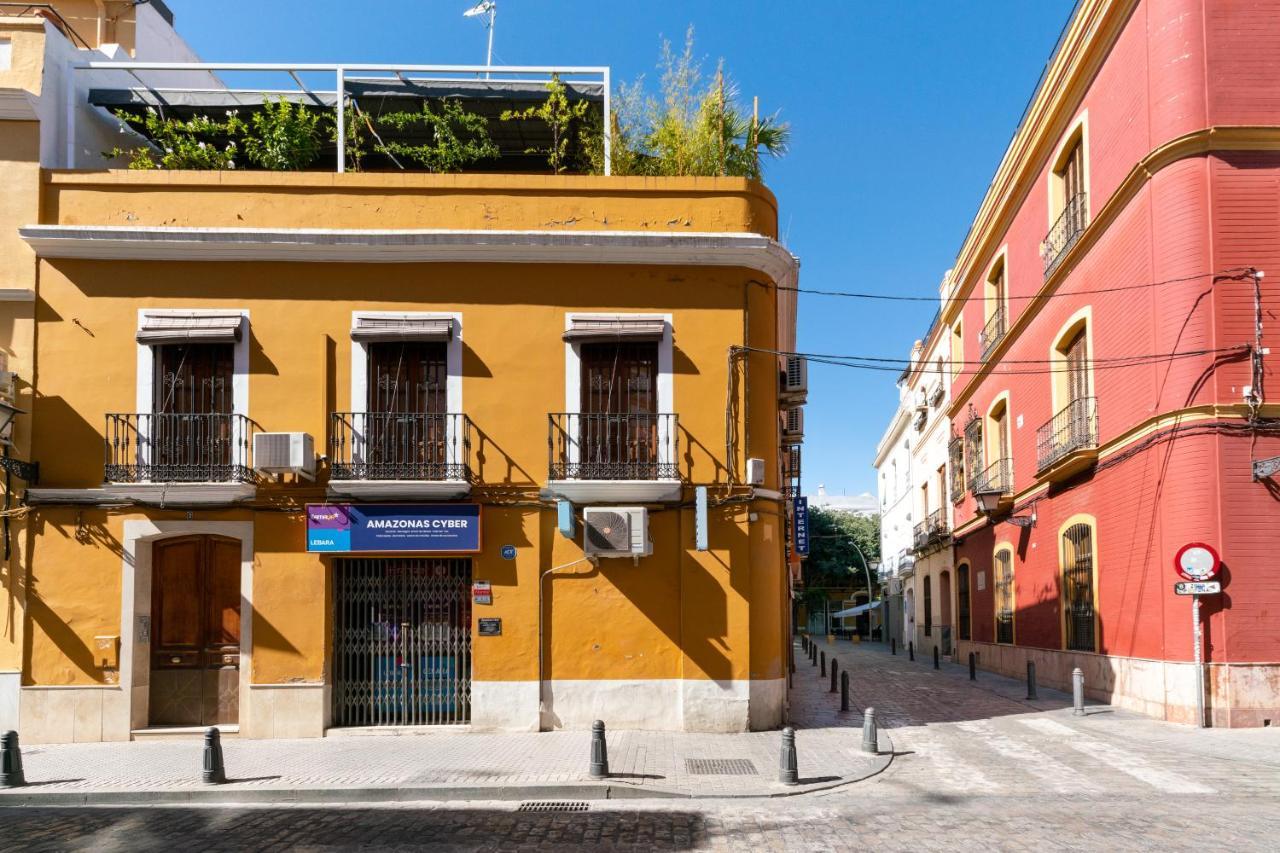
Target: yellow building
323,449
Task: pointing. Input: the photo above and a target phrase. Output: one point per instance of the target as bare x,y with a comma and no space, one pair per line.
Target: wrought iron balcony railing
1065,232
178,448
920,535
613,446
938,526
993,332
1072,429
399,446
996,477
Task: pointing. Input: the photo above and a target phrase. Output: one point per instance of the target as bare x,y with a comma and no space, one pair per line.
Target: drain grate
554,806
719,767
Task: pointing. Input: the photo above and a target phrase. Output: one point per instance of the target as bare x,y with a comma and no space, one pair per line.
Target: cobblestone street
975,767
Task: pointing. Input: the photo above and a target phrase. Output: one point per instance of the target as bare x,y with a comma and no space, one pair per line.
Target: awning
623,327
405,328
854,611
189,328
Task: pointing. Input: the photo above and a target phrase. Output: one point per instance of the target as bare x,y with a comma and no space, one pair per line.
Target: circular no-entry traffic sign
1197,562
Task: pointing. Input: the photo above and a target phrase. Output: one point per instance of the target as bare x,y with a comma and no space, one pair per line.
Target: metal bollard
935,658
822,657
869,740
788,772
214,770
1031,680
791,660
973,667
1077,692
911,650
833,676
11,775
599,752
813,655
893,645
844,690
804,643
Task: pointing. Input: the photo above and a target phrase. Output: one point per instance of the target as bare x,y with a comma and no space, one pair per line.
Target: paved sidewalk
442,764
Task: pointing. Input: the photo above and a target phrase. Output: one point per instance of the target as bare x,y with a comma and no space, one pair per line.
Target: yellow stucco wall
680,613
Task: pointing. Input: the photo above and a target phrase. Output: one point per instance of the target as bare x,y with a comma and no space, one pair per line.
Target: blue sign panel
508,552
384,528
802,526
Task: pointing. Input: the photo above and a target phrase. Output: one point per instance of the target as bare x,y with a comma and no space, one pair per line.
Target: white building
864,505
893,482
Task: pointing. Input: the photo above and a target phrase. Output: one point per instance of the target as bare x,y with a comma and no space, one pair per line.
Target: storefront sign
389,528
802,526
490,627
481,592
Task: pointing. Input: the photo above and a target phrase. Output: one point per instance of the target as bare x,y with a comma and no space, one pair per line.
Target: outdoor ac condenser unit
285,453
616,531
794,426
795,379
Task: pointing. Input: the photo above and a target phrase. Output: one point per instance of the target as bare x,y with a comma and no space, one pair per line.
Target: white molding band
753,251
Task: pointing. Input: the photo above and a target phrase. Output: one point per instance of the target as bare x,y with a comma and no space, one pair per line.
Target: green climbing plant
195,143
457,138
283,136
567,121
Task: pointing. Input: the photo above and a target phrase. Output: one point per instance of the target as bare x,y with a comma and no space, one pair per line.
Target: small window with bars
1004,595
973,454
955,453
1077,587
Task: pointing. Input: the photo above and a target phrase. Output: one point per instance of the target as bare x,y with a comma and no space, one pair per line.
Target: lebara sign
383,528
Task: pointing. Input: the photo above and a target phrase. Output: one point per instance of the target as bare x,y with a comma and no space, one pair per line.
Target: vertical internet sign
802,526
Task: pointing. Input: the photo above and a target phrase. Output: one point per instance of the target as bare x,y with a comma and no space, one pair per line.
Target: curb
218,795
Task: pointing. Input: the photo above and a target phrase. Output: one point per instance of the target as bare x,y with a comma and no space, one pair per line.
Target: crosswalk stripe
1138,767
1051,772
948,767
1048,727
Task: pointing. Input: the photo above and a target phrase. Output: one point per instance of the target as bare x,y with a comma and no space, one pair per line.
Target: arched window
928,607
962,599
1077,587
1004,595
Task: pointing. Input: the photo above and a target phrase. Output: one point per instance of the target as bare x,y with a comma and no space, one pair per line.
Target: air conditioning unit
755,472
285,453
616,531
795,379
794,426
895,586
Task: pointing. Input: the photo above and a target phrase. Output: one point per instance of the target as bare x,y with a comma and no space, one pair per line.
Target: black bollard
935,658
893,645
833,676
788,772
844,690
11,775
214,772
813,655
599,752
973,667
1031,680
911,650
870,741
822,658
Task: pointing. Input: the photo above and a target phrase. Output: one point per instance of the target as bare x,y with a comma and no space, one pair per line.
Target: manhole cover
554,806
719,767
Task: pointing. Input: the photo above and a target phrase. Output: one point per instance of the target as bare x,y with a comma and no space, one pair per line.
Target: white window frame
666,378
453,372
145,397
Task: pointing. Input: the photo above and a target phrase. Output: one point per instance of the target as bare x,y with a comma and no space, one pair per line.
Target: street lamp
867,567
988,500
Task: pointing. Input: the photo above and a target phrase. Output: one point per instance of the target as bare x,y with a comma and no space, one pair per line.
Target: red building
1115,323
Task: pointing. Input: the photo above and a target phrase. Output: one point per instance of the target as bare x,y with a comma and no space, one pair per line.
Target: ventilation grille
719,767
554,806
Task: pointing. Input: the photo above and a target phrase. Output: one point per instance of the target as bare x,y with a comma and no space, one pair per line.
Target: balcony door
195,631
618,416
190,434
406,423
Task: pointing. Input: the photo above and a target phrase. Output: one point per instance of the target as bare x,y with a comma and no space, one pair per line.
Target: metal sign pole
1195,634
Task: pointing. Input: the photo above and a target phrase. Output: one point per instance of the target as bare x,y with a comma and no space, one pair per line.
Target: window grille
955,452
1004,596
962,600
928,607
973,449
1077,587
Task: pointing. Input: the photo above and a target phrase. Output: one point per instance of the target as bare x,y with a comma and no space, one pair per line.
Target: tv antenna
487,8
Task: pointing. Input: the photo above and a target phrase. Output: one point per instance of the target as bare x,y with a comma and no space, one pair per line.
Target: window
928,606
955,452
999,471
962,598
973,451
1077,587
994,306
1068,198
957,348
1074,425
1004,594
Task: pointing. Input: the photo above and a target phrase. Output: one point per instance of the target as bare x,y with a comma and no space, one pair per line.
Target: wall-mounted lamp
988,500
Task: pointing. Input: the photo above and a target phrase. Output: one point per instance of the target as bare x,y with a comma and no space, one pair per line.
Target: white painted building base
10,699
74,714
286,711
504,706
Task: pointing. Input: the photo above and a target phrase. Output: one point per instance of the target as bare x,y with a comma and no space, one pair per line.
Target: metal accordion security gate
402,642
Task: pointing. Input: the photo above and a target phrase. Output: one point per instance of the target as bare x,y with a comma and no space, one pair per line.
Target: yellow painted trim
999,262
1013,592
1079,129
988,430
1092,522
1057,358
1201,142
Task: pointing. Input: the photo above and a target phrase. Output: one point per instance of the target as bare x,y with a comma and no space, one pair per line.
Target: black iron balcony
996,477
1074,430
368,446
937,525
1065,232
920,535
178,448
993,332
613,446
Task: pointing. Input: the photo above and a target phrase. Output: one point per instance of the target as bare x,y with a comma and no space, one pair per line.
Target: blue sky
900,112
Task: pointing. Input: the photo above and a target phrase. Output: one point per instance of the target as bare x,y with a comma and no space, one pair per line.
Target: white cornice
18,105
752,251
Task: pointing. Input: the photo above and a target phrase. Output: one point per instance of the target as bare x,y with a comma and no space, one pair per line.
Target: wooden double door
195,631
